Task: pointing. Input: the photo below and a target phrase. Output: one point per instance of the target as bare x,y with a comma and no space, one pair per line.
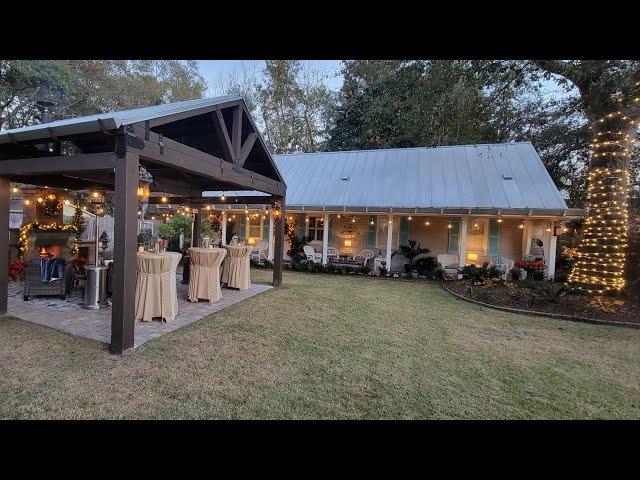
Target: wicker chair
33,286
503,264
449,265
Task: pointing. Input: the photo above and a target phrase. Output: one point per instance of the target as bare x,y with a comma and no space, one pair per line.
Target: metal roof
508,176
107,121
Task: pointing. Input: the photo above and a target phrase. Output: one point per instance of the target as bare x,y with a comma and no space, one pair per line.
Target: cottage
471,201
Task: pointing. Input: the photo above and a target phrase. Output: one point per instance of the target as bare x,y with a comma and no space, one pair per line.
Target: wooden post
389,242
271,234
224,228
551,255
526,239
462,241
124,251
197,228
278,226
325,237
4,244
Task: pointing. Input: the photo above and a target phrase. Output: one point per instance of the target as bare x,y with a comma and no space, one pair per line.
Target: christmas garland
23,238
51,206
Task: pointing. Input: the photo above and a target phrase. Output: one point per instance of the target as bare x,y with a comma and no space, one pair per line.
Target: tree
83,87
608,97
291,103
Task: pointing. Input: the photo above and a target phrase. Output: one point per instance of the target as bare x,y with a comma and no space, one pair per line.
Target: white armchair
332,252
256,252
449,264
366,255
311,254
503,264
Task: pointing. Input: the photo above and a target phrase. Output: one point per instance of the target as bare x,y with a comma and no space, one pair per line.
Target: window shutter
454,233
404,231
243,227
265,228
371,233
300,228
494,237
330,228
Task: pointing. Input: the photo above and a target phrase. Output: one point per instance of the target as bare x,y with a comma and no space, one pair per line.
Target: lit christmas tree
601,255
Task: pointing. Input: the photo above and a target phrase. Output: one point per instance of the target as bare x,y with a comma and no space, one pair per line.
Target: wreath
51,206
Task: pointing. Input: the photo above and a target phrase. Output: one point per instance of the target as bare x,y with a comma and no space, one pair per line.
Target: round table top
205,250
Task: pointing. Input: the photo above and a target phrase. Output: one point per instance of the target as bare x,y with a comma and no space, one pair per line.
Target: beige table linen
156,294
204,275
236,268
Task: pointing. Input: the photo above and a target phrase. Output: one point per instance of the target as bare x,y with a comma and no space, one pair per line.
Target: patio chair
311,254
366,255
449,264
256,252
332,252
503,264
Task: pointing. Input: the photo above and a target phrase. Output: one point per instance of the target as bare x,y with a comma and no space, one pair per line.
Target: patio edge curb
556,316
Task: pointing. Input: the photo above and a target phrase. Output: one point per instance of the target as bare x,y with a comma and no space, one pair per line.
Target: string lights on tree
601,255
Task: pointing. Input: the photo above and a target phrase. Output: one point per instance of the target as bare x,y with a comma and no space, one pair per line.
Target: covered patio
187,148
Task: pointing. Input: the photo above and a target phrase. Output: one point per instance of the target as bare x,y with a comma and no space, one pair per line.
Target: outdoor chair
256,252
311,254
34,286
366,255
332,252
449,264
503,264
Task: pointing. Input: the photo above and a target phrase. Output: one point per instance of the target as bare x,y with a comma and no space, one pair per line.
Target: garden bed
528,298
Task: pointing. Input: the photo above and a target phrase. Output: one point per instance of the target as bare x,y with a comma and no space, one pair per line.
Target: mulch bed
570,307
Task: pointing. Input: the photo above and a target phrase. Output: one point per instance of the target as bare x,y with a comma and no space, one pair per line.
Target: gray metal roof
508,176
107,121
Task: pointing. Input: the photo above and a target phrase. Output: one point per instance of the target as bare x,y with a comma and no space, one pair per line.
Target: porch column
526,241
462,241
197,228
389,242
551,254
278,226
325,237
124,252
271,234
224,228
246,227
4,244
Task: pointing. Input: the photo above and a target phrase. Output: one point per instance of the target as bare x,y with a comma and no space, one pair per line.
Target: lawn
327,346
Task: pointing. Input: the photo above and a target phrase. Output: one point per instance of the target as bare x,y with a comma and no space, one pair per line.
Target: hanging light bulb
15,190
427,223
521,226
499,220
163,199
410,218
27,202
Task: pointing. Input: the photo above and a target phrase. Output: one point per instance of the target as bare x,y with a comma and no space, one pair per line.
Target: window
255,227
315,229
477,236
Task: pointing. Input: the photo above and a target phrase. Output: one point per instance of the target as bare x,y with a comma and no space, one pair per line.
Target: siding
435,237
510,239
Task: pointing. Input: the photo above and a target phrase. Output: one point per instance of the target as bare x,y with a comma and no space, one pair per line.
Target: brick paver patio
69,315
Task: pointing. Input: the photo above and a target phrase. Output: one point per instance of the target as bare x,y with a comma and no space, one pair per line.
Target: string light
600,256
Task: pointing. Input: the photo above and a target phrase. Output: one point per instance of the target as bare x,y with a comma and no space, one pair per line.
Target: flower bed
548,298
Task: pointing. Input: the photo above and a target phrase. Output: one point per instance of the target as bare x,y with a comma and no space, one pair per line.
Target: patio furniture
34,286
311,254
366,255
332,252
154,296
503,264
449,264
236,268
204,274
256,252
234,240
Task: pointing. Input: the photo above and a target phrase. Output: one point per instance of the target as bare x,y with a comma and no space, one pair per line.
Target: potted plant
410,252
15,269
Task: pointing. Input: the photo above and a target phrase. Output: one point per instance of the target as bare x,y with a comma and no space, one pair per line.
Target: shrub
411,251
478,293
475,273
383,271
144,235
551,292
426,266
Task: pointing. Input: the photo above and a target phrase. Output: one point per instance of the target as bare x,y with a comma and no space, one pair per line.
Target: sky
213,70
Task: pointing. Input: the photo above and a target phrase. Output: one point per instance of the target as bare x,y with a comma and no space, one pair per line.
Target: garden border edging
557,316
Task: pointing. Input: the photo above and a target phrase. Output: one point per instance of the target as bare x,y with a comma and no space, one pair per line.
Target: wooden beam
246,148
223,134
4,244
197,228
236,133
197,162
60,181
124,274
175,117
58,164
278,226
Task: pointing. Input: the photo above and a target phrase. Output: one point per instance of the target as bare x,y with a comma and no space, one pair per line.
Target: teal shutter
404,231
371,233
243,228
300,227
454,233
265,229
494,237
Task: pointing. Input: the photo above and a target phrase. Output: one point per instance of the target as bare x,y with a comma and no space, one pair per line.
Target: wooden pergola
188,147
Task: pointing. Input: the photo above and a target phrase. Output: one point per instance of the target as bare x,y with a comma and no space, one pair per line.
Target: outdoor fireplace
55,244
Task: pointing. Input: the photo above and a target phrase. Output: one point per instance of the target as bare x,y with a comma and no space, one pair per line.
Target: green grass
331,347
